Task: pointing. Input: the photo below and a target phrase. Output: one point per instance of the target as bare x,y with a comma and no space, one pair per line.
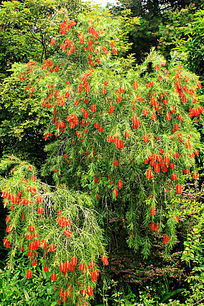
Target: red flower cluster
166,239
73,120
66,26
119,143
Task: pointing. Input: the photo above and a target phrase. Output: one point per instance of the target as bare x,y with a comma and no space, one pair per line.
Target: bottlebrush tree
54,231
121,140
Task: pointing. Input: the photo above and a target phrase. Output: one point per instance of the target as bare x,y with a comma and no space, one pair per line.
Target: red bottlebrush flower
4,194
105,260
94,276
98,196
166,160
40,210
150,84
156,168
154,226
196,152
68,222
62,267
146,138
199,85
111,109
76,103
103,91
120,144
33,190
6,243
114,51
67,233
115,191
109,137
8,229
29,168
81,267
176,127
34,263
119,98
74,261
52,247
115,163
38,199
53,277
154,116
195,176
168,116
152,211
100,129
93,107
67,94
179,189
127,134
184,99
96,180
157,67
105,51
172,166
31,228
46,268
145,112
120,184
186,171
89,291
53,40
188,145
135,84
33,178
86,114
149,173
174,177
29,274
166,239
82,39
83,292
173,110
73,120
176,156
8,219
136,122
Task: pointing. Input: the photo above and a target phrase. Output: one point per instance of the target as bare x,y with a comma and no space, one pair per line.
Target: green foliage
182,30
21,122
16,288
